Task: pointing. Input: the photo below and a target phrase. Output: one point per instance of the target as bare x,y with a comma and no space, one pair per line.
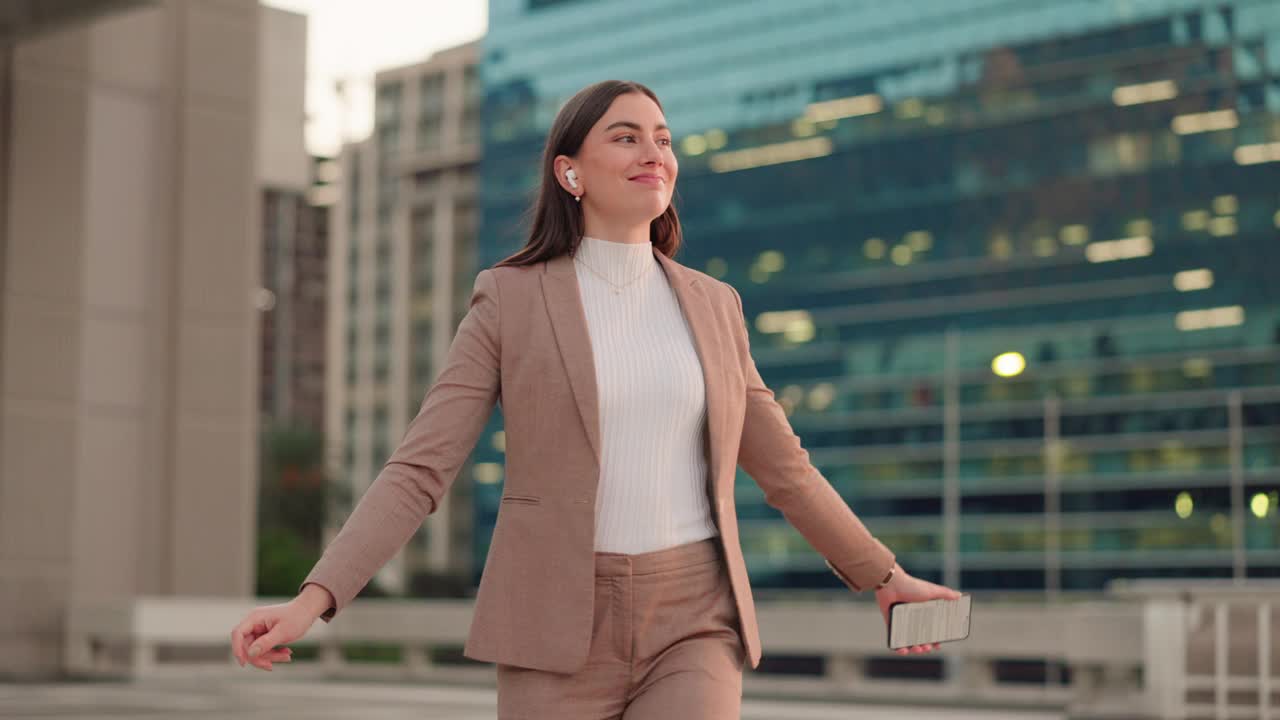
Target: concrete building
403,263
293,303
128,329
294,233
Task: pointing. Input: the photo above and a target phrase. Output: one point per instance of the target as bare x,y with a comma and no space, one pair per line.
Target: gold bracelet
888,577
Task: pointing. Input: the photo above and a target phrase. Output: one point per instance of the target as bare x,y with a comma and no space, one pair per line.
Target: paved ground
289,700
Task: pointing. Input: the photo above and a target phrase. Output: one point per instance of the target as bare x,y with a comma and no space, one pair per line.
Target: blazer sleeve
771,453
423,467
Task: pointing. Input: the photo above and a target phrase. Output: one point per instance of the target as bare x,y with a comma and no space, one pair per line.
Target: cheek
614,161
599,164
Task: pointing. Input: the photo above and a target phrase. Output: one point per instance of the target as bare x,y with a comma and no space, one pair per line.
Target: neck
615,231
619,263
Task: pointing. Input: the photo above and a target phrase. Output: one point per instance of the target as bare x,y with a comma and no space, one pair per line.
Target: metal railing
1098,642
1211,647
1173,650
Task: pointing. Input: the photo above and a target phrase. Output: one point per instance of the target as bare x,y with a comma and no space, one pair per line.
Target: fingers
235,646
268,641
949,593
944,592
239,634
244,634
253,642
260,650
265,661
918,649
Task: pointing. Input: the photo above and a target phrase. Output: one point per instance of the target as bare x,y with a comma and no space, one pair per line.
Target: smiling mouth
648,180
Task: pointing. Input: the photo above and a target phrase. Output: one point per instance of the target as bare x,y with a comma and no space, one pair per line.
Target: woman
614,584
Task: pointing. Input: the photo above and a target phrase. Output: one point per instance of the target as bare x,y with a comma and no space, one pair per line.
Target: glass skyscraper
1012,268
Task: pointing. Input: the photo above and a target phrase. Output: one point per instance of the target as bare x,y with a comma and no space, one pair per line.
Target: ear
561,164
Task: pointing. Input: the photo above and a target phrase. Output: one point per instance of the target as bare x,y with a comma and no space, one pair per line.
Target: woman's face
626,168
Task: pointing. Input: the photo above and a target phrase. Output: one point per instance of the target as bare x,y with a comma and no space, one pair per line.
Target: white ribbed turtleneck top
652,400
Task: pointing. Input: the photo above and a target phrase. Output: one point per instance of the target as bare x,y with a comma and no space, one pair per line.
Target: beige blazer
524,344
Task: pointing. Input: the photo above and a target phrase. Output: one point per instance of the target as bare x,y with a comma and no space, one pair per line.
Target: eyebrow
634,126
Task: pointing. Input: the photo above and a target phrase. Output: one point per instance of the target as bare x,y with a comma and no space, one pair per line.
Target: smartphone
932,621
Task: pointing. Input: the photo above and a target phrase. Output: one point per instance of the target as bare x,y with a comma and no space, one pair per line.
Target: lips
652,180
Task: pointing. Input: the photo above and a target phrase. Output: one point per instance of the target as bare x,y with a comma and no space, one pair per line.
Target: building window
430,111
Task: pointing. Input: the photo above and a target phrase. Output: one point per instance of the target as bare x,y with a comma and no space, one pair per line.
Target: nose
652,153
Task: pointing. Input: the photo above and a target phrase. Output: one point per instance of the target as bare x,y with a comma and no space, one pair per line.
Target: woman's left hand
903,587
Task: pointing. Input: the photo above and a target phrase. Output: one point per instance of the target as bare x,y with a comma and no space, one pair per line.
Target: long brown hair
557,223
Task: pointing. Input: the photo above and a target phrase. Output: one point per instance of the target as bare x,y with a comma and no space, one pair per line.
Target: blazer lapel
700,315
569,321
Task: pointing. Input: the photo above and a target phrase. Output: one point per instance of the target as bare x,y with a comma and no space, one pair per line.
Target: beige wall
283,161
128,377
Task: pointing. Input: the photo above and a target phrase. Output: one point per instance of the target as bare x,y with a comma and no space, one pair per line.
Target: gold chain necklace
617,289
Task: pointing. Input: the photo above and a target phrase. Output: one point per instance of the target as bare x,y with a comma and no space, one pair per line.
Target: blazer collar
563,298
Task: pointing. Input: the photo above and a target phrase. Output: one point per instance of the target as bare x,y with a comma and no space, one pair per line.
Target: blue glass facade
1010,267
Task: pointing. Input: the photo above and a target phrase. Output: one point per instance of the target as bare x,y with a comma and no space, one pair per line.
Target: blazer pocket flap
522,499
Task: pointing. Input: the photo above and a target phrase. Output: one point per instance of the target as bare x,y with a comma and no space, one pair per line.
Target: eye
633,137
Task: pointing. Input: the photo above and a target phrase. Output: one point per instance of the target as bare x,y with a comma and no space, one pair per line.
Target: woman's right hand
256,638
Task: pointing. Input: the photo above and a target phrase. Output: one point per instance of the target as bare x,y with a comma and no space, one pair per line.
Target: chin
646,213
654,210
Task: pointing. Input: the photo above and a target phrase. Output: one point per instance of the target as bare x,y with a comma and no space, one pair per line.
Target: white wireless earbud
572,177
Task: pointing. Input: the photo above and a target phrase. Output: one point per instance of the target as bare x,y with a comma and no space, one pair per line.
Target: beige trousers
665,644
